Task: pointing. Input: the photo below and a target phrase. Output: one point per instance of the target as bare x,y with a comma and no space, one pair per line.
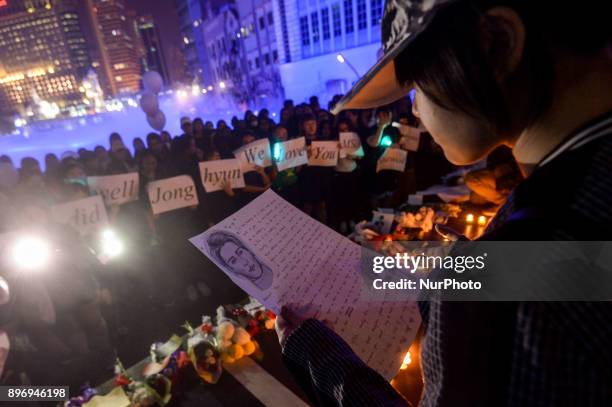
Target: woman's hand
227,187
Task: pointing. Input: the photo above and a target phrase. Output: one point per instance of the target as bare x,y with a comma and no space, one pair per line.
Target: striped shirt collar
591,131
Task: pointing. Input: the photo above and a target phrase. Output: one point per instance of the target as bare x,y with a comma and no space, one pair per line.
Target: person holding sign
381,182
346,177
283,182
314,182
256,180
217,205
535,77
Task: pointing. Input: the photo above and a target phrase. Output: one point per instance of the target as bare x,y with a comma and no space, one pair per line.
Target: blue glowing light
385,141
277,152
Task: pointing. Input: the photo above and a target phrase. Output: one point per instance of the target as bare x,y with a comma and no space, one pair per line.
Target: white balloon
149,103
152,81
157,120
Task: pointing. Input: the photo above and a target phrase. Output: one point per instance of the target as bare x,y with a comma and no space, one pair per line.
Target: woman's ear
503,40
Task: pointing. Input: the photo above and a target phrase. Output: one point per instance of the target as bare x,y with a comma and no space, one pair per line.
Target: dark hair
215,242
447,62
306,118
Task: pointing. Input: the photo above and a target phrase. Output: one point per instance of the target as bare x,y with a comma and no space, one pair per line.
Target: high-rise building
192,14
118,45
43,55
312,33
226,58
258,40
153,58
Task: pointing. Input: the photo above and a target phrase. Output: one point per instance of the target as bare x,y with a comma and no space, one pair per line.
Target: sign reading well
172,193
323,154
256,153
291,153
115,189
393,159
85,215
216,173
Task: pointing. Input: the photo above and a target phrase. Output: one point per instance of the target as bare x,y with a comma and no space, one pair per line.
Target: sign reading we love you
216,173
253,154
291,153
172,193
115,189
393,159
86,215
323,154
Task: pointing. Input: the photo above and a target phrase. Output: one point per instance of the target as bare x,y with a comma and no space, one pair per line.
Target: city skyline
260,51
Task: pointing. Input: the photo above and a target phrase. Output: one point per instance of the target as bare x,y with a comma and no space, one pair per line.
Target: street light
343,60
222,85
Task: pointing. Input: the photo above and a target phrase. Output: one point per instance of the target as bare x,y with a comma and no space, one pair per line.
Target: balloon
152,82
157,120
149,103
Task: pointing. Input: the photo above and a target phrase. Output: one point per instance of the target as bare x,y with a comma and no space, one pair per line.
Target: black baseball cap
402,22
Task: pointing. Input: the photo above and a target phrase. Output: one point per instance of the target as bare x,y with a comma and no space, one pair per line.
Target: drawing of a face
240,260
234,257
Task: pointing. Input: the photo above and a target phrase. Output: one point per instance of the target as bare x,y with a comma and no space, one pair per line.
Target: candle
407,360
469,218
482,220
467,232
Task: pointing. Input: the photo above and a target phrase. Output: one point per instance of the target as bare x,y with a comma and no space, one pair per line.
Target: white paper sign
215,173
256,153
393,159
86,215
410,137
291,153
172,193
350,144
281,256
115,189
323,154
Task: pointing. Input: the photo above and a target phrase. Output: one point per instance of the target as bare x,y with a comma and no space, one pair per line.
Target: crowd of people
76,312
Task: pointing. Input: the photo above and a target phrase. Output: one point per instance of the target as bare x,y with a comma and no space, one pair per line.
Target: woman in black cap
537,77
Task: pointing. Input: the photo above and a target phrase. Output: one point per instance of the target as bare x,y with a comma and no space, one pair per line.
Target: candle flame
407,360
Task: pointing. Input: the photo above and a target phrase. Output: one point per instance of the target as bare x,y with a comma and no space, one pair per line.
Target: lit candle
469,218
467,232
407,360
482,220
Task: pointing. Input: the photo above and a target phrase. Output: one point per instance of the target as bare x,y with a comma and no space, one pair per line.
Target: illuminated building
259,43
118,45
43,55
311,34
153,56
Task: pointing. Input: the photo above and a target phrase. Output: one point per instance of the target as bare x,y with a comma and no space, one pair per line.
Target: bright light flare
112,246
222,85
31,253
